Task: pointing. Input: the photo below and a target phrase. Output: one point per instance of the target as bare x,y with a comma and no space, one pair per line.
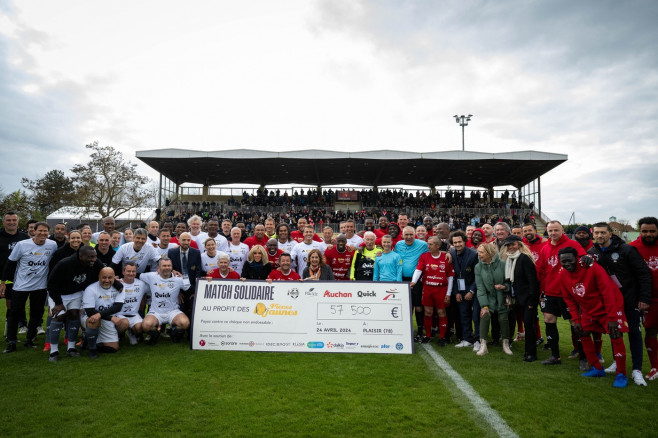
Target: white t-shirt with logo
300,254
163,291
144,257
100,299
238,254
32,268
134,293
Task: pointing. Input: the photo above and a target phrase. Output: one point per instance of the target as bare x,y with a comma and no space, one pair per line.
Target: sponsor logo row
313,345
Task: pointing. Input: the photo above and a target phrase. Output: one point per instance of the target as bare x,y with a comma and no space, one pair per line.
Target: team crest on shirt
442,266
579,290
553,261
79,279
614,256
652,263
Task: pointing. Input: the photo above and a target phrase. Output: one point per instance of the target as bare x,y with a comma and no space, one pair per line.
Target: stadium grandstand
453,186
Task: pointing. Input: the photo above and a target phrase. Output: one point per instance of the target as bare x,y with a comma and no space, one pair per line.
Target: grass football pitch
169,390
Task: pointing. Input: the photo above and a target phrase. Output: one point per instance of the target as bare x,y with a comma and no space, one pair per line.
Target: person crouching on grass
596,305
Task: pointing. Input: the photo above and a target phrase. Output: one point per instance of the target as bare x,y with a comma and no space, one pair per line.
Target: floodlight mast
463,122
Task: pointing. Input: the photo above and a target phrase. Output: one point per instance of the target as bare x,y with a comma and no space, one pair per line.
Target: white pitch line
489,414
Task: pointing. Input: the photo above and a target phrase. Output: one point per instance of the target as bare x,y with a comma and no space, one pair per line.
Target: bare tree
108,185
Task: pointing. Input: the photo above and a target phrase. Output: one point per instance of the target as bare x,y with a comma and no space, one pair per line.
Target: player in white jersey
210,258
164,289
27,267
237,251
213,233
195,231
300,251
284,241
136,251
108,226
164,244
133,304
353,240
101,301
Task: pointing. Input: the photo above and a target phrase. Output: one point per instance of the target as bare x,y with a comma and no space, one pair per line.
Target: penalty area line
489,414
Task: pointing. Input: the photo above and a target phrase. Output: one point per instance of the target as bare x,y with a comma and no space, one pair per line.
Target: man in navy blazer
191,269
464,288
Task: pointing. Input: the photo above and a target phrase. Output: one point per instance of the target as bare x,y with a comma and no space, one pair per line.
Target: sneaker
612,369
463,344
593,372
476,346
154,337
529,358
442,342
29,344
584,366
40,331
72,352
574,354
418,338
552,360
54,357
164,334
621,381
93,354
425,340
10,349
46,346
636,375
131,337
540,341
653,374
519,337
601,359
22,330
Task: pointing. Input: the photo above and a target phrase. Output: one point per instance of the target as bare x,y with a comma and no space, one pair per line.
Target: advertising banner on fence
316,317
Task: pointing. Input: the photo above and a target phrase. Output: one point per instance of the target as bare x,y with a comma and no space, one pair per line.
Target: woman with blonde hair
257,266
521,273
493,295
316,269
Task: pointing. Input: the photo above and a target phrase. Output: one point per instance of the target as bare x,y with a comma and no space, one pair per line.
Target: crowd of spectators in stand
318,207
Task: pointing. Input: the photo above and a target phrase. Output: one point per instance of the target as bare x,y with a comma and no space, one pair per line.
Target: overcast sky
577,78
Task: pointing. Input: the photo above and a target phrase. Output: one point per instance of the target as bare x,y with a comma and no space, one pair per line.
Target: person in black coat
187,261
257,266
520,271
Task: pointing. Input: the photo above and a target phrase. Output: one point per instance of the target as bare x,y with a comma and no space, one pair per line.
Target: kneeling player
134,302
165,297
438,275
596,305
101,301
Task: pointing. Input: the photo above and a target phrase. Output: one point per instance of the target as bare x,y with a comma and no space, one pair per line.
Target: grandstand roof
373,168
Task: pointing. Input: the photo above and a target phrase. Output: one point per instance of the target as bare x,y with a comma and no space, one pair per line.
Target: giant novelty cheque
319,317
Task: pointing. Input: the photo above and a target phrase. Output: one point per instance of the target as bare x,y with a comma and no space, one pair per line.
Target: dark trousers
635,337
470,316
18,299
529,317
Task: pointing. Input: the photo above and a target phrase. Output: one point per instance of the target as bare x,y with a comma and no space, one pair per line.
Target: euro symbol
394,312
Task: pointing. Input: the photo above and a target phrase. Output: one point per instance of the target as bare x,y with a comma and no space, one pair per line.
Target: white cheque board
319,317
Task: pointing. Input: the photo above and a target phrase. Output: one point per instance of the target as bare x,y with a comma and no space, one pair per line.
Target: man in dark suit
465,290
187,261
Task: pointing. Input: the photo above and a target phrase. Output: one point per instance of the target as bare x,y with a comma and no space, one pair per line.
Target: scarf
510,264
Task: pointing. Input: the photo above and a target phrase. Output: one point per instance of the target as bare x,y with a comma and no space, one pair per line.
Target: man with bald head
410,249
101,301
108,224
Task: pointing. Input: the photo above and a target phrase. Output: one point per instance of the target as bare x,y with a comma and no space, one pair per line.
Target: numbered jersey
133,298
163,291
100,299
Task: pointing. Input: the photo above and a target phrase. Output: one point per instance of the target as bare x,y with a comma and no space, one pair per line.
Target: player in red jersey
647,246
552,303
223,271
383,227
339,258
298,234
583,236
596,306
259,237
285,272
273,252
438,275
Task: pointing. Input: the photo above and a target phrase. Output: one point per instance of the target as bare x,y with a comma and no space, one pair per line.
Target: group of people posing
462,282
